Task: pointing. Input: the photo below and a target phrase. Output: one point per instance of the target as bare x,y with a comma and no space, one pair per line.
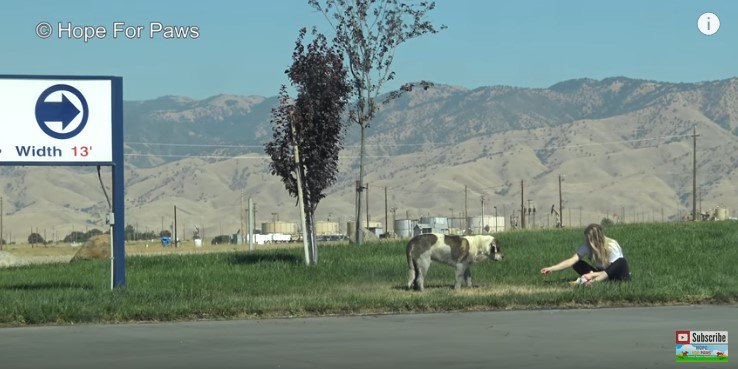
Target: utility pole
466,214
481,230
366,187
357,232
251,224
561,206
175,226
694,173
394,218
522,206
241,214
386,215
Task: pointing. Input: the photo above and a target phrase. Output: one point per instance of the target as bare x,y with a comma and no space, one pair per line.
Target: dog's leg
467,276
423,264
411,275
460,275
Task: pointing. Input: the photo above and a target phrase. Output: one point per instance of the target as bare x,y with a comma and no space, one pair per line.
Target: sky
244,46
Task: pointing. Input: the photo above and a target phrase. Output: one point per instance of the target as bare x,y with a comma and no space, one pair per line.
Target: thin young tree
308,131
368,32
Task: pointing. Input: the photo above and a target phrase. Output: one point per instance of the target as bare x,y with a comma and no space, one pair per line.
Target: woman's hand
546,270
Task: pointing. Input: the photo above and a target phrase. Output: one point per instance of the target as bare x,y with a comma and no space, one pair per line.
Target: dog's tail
412,268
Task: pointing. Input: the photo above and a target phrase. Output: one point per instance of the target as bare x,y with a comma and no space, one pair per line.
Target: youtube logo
682,337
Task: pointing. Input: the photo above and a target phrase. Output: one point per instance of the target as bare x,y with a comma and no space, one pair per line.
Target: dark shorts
617,271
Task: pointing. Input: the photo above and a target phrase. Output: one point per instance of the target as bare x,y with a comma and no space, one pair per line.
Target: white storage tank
323,228
404,227
488,224
721,213
437,224
279,227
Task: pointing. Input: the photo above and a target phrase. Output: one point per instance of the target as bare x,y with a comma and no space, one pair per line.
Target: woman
605,253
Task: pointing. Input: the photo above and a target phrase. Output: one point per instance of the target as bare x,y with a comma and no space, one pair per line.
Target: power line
411,144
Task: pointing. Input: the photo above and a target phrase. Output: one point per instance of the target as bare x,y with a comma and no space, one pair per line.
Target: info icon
708,23
682,337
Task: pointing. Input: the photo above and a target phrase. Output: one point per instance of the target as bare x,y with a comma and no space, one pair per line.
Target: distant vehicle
222,239
166,241
261,239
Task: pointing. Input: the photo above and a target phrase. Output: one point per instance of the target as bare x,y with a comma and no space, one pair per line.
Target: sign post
68,121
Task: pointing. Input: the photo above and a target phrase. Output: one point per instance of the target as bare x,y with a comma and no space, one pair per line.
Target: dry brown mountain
622,145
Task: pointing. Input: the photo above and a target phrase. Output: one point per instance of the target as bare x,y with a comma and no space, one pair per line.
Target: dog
457,251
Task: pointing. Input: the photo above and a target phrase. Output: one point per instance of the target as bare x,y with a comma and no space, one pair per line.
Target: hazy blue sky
244,46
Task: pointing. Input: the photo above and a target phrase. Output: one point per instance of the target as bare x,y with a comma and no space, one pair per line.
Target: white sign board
56,121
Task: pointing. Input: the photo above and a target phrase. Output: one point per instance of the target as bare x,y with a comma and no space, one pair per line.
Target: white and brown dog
457,251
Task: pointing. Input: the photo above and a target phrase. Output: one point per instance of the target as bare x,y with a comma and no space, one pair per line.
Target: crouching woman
605,253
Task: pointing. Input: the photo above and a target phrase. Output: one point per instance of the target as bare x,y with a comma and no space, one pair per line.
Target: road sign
68,120
56,121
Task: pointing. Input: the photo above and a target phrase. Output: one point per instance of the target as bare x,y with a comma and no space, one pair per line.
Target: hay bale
366,236
8,260
95,248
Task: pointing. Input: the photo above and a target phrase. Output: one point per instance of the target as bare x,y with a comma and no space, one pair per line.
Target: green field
677,263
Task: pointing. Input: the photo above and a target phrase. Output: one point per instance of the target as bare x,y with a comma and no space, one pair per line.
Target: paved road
602,338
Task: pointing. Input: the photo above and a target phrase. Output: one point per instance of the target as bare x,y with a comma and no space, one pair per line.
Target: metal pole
175,226
522,207
118,169
466,214
366,187
251,224
386,214
240,213
694,174
481,230
561,206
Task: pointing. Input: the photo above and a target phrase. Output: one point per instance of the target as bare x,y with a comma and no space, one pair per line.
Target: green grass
672,264
699,359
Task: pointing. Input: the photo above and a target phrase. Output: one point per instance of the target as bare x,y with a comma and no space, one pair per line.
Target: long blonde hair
597,241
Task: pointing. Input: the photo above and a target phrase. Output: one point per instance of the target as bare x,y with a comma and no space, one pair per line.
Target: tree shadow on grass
256,258
46,286
403,287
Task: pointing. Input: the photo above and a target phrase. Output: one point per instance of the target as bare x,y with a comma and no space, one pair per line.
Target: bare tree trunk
359,189
300,195
313,242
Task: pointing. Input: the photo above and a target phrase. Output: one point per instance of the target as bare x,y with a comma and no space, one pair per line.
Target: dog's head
494,250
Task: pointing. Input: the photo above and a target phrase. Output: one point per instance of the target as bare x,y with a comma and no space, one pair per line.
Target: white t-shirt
616,252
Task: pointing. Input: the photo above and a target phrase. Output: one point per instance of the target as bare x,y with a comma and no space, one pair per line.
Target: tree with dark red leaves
308,131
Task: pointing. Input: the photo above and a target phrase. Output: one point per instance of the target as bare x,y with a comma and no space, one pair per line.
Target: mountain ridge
621,143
